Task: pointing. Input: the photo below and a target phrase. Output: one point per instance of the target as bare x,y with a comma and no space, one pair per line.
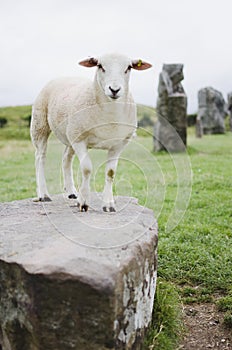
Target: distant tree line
143,122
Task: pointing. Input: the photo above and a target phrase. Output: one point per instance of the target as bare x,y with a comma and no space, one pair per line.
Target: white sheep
85,114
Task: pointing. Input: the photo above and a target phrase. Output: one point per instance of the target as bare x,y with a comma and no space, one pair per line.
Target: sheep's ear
89,62
140,65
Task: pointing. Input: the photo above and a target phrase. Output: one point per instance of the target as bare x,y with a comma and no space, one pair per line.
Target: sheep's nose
114,92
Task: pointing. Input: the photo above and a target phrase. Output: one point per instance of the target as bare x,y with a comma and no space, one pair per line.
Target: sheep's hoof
45,199
110,209
83,207
72,196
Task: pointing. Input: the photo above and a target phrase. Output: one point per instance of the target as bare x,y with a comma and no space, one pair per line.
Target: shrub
145,121
191,119
28,120
3,122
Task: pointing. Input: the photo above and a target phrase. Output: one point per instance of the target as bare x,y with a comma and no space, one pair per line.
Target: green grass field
195,257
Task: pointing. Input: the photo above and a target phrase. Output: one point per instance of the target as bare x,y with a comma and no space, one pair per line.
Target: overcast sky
44,39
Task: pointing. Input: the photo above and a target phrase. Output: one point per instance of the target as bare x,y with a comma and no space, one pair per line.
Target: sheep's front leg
68,173
81,151
111,166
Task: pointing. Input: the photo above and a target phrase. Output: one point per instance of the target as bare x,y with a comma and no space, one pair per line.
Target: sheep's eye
100,67
128,69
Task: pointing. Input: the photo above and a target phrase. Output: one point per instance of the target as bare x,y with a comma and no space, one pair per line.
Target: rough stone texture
211,111
170,131
73,280
230,108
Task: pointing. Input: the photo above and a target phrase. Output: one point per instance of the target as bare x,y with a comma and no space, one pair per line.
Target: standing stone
211,111
170,131
230,108
72,280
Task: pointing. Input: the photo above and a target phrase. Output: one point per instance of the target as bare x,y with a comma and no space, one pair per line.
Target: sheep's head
113,72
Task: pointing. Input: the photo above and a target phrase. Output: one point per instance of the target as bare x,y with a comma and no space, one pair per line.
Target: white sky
44,39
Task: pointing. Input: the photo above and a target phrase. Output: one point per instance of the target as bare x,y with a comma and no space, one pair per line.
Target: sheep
86,114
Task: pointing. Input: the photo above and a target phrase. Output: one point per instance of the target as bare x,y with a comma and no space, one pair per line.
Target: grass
195,256
17,179
166,328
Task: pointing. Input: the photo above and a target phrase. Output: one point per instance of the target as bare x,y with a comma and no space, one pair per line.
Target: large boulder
170,131
211,111
230,108
73,280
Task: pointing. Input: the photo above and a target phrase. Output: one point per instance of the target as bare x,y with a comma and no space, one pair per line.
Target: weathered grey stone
170,131
230,108
211,111
73,280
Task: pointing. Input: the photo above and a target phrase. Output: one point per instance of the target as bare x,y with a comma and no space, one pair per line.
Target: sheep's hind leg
40,157
69,186
86,169
111,166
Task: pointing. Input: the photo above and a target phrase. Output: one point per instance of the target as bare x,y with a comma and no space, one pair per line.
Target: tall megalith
170,130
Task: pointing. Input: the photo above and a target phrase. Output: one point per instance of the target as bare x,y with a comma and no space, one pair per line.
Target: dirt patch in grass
205,328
